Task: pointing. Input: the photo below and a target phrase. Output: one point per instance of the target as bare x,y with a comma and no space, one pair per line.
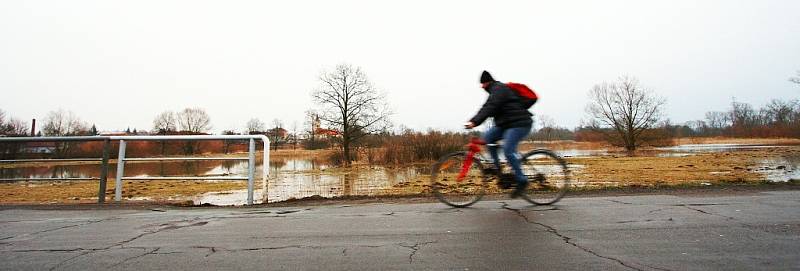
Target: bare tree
350,103
2,121
63,123
717,121
277,133
547,128
743,117
779,112
17,127
795,79
312,122
12,126
165,122
625,107
226,144
294,135
194,120
255,125
699,127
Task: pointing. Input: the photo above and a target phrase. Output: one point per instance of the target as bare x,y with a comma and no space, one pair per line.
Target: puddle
780,169
208,168
574,153
716,147
227,198
673,154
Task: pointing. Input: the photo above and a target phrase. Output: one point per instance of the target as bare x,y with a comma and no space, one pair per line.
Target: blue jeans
511,138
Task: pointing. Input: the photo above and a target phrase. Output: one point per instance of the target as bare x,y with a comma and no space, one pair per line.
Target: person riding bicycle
512,123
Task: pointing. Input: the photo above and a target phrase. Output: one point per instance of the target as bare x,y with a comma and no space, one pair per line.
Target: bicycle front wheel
548,177
454,186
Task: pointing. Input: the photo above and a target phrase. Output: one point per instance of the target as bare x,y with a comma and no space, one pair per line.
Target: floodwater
296,178
716,147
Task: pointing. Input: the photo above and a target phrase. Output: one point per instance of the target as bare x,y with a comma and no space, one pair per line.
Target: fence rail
49,160
4,180
121,159
186,158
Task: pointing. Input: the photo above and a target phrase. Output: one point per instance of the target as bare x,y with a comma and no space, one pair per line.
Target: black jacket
505,106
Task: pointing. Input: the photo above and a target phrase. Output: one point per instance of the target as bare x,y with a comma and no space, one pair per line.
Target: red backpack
525,93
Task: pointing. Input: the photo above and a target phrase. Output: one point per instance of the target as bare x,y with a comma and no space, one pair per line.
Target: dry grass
626,171
723,167
86,192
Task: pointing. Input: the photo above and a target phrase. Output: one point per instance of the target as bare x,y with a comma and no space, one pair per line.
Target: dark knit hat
486,77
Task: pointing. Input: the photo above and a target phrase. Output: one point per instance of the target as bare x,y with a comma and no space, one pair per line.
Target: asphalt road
759,230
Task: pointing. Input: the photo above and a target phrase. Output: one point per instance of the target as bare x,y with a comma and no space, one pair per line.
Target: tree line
351,113
626,114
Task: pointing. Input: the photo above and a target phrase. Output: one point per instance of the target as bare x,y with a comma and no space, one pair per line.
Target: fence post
251,170
265,178
101,195
120,172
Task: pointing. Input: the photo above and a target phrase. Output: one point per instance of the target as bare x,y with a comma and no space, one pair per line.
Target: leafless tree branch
625,107
350,104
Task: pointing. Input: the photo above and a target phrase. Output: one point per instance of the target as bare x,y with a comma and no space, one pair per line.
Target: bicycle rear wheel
548,177
452,190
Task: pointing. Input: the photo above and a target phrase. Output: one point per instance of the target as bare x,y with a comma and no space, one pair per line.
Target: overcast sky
119,63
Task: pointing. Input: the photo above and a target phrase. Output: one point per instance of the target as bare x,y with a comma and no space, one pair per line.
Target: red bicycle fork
473,147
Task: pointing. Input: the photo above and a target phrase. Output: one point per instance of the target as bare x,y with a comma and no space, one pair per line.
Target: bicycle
460,179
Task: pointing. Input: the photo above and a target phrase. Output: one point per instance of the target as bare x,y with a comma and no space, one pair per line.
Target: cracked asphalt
759,230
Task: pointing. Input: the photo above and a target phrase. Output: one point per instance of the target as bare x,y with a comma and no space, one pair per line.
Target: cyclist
512,123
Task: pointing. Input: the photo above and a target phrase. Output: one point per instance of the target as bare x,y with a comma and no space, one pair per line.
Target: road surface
759,230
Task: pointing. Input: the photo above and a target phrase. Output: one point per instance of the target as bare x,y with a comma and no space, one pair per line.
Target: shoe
490,170
520,190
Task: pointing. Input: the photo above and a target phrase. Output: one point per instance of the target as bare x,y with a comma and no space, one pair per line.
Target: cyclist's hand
469,125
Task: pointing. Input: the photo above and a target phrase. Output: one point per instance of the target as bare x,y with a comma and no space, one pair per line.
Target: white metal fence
121,159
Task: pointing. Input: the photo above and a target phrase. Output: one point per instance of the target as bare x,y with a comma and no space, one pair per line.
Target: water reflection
368,181
581,153
780,169
716,147
208,168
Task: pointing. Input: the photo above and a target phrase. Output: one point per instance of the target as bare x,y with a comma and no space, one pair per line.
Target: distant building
322,133
39,147
327,132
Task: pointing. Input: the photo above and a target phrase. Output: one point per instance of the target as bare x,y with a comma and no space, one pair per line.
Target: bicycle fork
473,148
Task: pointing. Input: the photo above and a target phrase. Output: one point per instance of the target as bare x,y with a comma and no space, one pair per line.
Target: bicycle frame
542,192
474,147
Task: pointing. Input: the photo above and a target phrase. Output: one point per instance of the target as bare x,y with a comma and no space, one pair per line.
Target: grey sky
119,63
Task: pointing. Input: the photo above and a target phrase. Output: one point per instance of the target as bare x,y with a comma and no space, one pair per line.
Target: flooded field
301,177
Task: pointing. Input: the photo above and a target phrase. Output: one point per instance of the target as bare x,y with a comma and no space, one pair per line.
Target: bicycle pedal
491,171
506,181
504,185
